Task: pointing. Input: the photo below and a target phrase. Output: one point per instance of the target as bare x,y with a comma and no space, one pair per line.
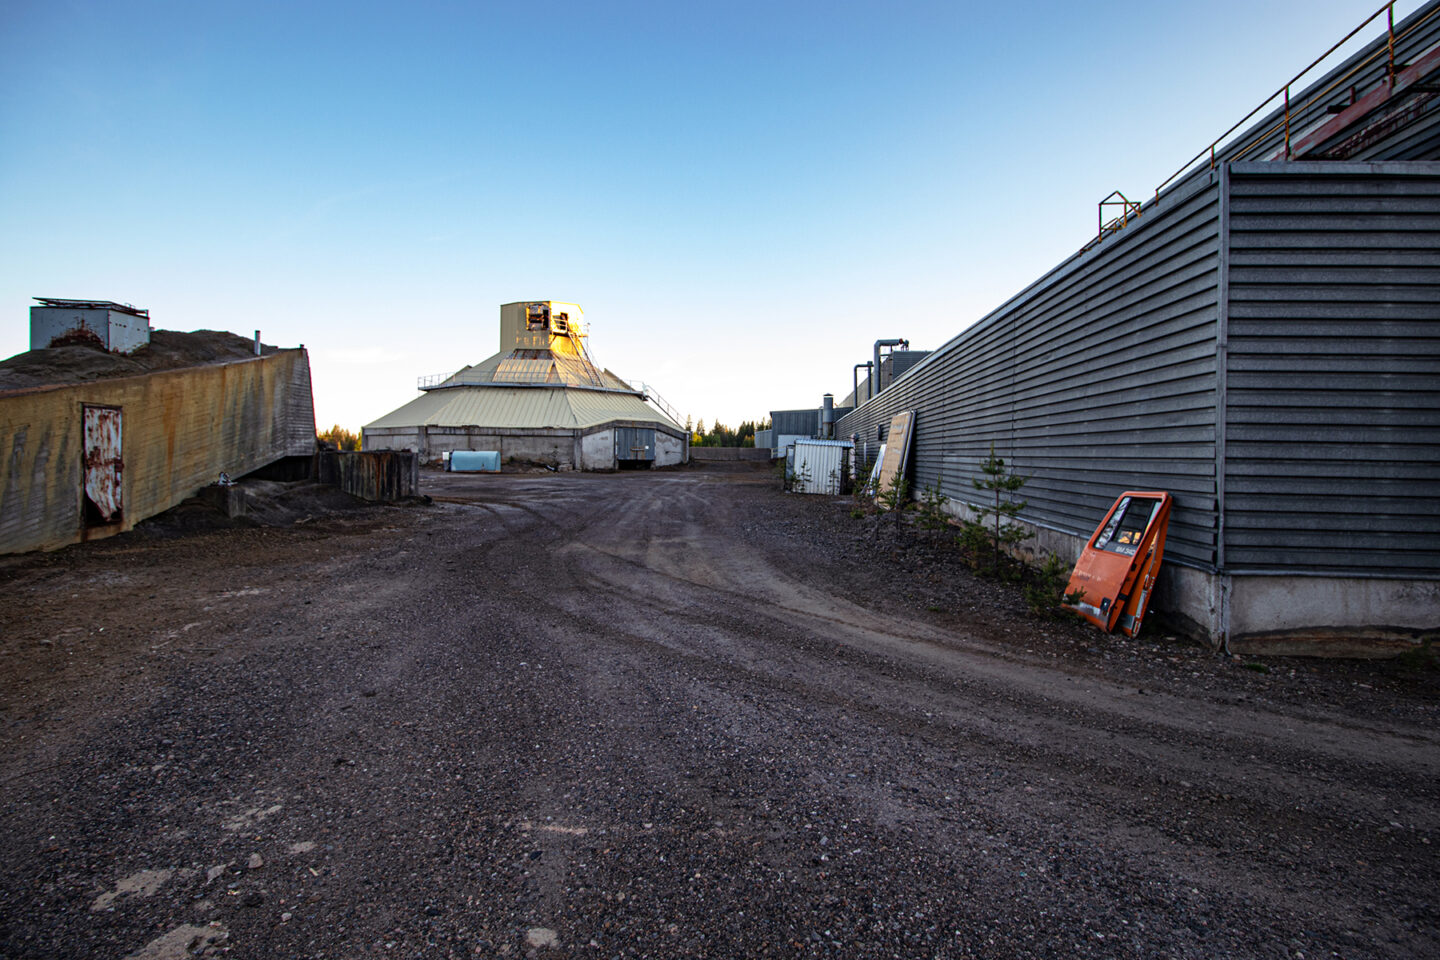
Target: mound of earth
83,361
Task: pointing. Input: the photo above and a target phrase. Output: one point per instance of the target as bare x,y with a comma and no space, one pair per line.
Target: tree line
720,435
338,438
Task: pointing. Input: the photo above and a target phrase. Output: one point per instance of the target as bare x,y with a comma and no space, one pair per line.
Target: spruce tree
996,516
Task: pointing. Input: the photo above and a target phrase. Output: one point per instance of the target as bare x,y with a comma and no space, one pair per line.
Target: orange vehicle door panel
1116,571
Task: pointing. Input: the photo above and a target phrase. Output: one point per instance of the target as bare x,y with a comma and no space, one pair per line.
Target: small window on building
882,432
537,316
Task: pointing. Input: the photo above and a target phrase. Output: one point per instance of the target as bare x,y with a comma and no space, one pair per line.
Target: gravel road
676,714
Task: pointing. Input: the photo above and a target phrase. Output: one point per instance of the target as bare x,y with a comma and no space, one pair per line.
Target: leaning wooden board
897,450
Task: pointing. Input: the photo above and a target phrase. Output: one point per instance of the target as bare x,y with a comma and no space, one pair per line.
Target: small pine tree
995,517
932,508
1046,591
895,496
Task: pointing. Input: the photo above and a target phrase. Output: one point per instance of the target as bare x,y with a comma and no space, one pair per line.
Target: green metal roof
505,407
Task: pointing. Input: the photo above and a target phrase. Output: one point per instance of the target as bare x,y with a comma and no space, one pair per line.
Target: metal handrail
647,393
1284,90
1289,109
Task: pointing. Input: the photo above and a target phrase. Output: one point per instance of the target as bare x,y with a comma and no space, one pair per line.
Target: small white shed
818,466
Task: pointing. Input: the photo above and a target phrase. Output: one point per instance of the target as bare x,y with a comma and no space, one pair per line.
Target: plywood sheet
897,450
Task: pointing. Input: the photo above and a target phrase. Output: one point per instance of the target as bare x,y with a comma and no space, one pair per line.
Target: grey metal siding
1097,379
804,423
1333,425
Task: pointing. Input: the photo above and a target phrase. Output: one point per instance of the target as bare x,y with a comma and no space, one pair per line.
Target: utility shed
92,442
1263,341
540,399
818,466
113,326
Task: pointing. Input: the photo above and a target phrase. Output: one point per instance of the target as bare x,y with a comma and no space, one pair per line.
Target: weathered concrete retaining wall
597,450
729,453
669,450
180,430
371,474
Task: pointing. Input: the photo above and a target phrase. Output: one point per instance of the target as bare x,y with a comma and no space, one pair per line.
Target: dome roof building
540,399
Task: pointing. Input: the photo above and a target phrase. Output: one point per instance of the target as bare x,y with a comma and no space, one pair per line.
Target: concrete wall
669,451
730,453
557,447
597,450
180,430
566,449
117,330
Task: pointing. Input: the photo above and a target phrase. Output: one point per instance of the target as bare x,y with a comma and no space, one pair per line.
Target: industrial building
787,426
539,399
1261,338
117,422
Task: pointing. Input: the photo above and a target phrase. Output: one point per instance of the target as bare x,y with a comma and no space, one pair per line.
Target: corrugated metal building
91,459
539,399
1263,341
818,466
787,426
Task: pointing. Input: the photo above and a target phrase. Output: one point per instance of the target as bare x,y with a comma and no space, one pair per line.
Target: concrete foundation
591,449
1276,615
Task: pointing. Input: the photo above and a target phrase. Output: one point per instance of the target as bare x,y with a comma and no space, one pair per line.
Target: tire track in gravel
584,704
1095,704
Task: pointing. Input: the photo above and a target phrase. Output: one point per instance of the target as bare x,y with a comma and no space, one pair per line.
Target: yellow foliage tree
340,438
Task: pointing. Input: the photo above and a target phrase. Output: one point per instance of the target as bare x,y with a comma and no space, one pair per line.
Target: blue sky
742,196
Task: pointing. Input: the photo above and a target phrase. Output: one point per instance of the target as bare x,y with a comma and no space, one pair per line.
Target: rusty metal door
103,466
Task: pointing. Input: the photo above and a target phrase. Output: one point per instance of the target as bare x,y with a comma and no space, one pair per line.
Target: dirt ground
675,714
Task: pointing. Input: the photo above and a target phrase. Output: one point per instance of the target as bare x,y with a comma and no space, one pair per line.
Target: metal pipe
1287,122
875,371
827,417
855,381
1390,42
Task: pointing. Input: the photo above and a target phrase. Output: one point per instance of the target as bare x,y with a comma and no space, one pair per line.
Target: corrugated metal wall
803,423
1097,379
1332,440
1103,376
181,428
1116,370
635,443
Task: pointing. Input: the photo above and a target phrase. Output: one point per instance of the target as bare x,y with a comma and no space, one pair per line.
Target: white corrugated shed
818,466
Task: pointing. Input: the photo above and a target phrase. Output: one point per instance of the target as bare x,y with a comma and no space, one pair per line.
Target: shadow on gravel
268,503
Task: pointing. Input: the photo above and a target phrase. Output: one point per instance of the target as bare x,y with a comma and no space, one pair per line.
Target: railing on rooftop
1281,125
648,393
432,381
